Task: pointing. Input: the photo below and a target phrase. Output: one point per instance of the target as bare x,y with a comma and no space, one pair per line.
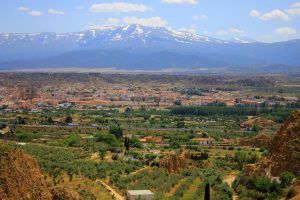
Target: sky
262,20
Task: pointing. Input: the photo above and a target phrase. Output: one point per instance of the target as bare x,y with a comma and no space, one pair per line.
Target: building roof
203,139
140,192
155,139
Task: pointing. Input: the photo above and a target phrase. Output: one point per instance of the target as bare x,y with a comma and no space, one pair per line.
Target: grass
79,184
189,194
173,189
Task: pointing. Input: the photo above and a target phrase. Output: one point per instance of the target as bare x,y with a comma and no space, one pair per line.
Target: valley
165,133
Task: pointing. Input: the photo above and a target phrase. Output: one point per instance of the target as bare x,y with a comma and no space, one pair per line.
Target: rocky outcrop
21,177
258,121
259,141
285,147
175,162
294,191
62,193
284,151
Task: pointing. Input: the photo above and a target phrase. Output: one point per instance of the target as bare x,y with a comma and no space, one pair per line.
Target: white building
140,195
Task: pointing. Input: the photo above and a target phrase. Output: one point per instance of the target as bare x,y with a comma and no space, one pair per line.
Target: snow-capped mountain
137,46
243,40
108,34
35,45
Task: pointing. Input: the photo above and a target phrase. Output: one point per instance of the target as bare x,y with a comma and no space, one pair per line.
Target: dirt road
112,190
229,180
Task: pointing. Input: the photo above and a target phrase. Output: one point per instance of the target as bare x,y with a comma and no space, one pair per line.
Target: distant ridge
137,47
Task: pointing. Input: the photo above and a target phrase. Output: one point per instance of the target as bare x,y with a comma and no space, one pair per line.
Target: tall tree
207,192
127,143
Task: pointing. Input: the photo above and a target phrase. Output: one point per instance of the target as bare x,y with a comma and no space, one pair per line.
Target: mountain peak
243,40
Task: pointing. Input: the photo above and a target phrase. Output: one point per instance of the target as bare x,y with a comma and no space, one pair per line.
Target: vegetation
257,187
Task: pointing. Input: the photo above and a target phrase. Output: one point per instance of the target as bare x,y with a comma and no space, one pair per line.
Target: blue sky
263,20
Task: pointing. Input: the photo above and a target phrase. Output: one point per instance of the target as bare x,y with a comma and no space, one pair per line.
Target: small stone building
4,129
204,141
140,195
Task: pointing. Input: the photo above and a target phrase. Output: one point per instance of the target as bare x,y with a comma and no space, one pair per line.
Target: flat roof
140,192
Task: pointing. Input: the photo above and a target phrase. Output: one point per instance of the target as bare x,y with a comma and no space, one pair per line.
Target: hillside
285,147
21,177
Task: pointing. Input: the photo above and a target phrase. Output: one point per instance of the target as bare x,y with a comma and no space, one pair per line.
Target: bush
109,139
134,142
257,187
286,178
72,140
25,137
224,191
116,131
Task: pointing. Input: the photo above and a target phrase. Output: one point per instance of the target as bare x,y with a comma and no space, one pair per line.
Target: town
143,136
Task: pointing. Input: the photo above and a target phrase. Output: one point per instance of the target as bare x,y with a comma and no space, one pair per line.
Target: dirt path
112,190
139,170
229,180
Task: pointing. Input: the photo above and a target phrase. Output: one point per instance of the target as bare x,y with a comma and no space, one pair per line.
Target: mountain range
137,47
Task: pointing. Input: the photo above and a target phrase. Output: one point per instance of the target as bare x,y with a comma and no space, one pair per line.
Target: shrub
72,140
286,178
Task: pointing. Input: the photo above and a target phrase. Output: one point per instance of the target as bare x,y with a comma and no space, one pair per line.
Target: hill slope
20,177
285,147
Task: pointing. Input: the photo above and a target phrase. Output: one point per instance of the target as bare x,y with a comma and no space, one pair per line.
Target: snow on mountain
243,40
107,34
135,46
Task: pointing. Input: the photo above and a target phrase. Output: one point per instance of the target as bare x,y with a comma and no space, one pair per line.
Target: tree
50,120
180,123
102,152
174,144
127,143
286,178
177,103
207,192
72,140
116,131
68,119
223,191
134,142
255,129
107,138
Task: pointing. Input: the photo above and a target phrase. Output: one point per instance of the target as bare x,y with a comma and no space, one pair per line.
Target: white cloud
296,5
55,12
23,9
233,31
35,13
275,14
153,21
285,31
206,32
112,22
193,2
221,33
105,22
254,13
197,17
79,7
191,29
118,7
293,11
236,31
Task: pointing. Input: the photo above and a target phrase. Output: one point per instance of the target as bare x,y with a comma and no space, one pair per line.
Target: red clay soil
21,177
259,141
285,147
